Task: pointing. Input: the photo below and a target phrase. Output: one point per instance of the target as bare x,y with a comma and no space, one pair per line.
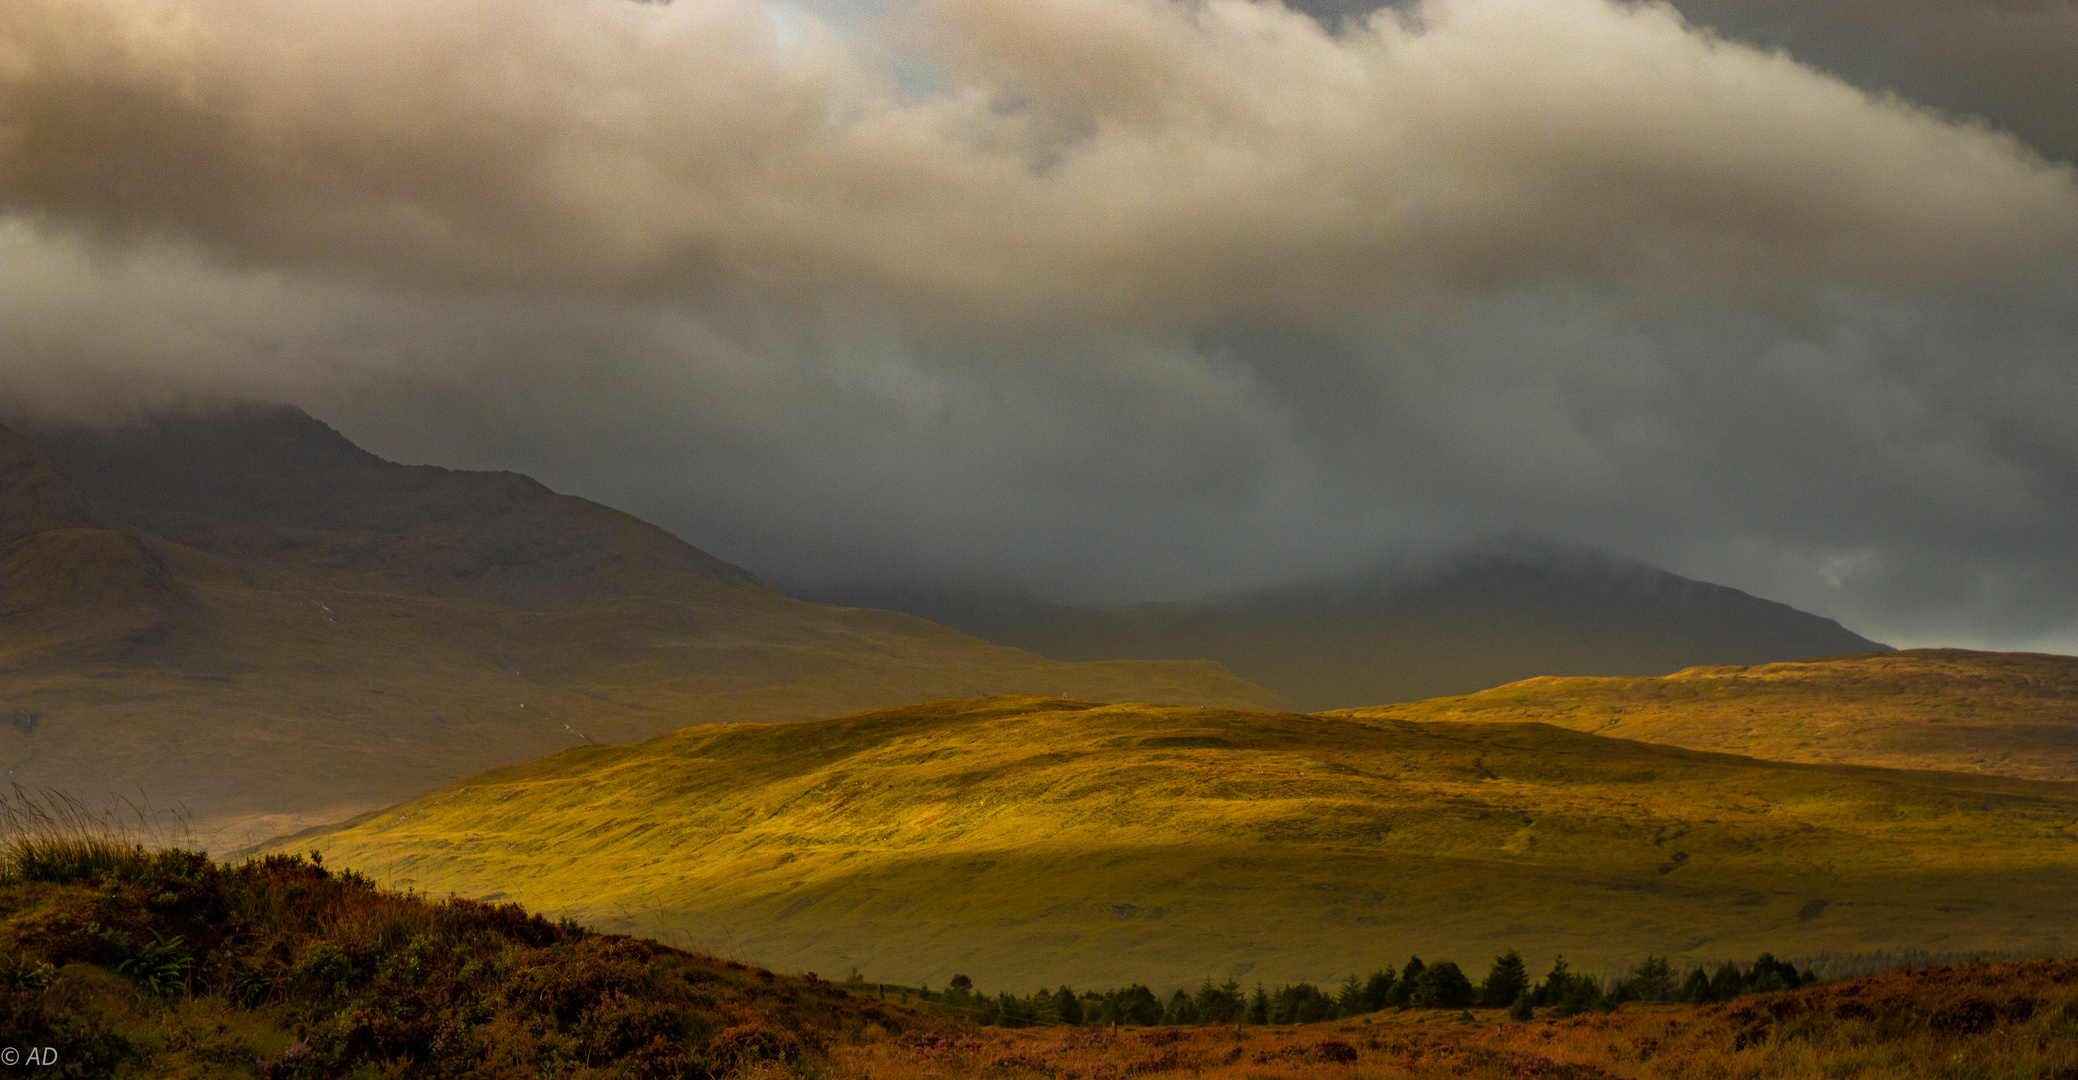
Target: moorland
123,961
1018,838
2007,713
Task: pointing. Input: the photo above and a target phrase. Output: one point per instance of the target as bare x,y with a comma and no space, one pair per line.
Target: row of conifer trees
1418,985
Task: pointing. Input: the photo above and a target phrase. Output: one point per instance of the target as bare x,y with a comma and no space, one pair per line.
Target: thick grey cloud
1111,300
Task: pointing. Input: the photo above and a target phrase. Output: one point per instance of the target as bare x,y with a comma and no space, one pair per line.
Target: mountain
1018,839
2015,714
73,587
239,615
1389,636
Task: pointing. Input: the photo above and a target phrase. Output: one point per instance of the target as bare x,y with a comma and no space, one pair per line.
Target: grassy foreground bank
116,961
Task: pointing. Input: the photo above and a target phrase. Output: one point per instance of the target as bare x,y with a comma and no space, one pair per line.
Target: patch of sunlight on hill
1021,839
2014,714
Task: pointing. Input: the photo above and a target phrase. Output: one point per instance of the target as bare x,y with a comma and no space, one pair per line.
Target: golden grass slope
2014,714
1020,840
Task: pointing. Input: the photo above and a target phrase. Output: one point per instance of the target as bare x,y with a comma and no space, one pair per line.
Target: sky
1111,299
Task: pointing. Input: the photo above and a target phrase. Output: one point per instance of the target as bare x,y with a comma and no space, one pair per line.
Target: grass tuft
54,836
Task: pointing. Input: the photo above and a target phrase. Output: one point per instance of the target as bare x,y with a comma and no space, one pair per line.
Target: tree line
1417,985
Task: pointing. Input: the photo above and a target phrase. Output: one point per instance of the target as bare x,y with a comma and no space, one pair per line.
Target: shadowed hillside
242,612
1383,636
1018,839
2015,714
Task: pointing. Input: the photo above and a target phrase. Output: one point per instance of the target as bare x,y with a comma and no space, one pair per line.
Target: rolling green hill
241,613
1015,839
2015,714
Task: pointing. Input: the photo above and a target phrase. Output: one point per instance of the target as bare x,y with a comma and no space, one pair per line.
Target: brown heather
1974,1020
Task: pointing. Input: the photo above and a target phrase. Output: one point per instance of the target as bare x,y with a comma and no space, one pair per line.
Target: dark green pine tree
1726,983
1442,985
1403,988
1555,984
1349,1001
1138,1005
1068,1007
1182,1010
1378,990
1696,988
1259,1006
1653,981
1769,974
1505,981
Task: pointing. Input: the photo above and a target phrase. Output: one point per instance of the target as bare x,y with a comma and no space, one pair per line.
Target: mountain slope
1017,839
2015,714
1378,637
74,587
242,613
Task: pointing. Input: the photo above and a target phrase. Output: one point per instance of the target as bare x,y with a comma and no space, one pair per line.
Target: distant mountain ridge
238,611
1375,638
262,483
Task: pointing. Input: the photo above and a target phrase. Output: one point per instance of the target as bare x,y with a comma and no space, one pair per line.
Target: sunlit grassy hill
1018,839
2015,714
243,613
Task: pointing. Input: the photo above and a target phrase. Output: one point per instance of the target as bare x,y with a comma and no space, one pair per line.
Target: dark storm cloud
1132,299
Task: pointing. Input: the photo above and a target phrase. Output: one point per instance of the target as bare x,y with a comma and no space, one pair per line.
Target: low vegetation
119,960
2017,1019
1441,985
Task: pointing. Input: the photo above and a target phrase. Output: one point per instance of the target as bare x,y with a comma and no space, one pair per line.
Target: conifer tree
1726,983
1259,1006
1067,1007
1139,1005
1696,989
1505,981
1442,985
1350,1000
1403,988
1555,984
1653,981
1182,1010
1378,990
